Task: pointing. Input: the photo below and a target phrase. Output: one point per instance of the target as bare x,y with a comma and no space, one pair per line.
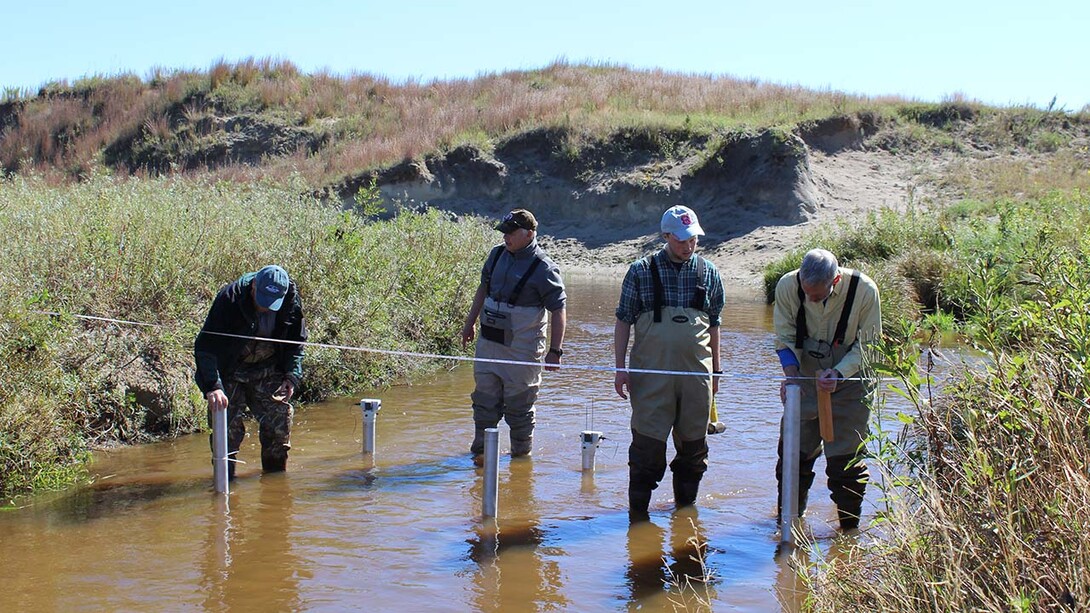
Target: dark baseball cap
271,285
518,218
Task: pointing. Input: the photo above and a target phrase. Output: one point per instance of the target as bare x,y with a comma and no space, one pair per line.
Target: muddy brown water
338,533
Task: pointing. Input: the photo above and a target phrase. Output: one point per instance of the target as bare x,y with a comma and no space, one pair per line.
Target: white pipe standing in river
590,445
789,482
370,408
219,451
491,471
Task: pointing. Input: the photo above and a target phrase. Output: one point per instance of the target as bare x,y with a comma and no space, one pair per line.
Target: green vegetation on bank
155,251
987,501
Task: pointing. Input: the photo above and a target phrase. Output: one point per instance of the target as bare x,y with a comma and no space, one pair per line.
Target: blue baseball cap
681,222
271,285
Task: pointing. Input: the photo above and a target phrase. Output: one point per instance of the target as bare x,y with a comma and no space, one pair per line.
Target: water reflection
250,562
514,572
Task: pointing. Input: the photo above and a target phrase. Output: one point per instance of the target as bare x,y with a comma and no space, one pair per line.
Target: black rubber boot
848,478
273,462
638,501
521,447
685,492
477,446
806,479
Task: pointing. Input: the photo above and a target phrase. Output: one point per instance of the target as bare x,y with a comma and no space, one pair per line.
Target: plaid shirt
637,290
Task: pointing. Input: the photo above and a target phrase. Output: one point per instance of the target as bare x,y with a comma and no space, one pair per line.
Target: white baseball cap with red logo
681,222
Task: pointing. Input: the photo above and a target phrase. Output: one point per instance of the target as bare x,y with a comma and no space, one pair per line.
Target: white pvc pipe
219,451
490,500
370,408
789,482
590,445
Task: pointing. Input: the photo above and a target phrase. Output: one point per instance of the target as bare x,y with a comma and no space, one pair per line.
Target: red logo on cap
685,219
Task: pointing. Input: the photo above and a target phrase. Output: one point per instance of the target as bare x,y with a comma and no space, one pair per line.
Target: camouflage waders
255,389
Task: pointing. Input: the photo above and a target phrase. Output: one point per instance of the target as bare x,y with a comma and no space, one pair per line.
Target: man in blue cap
236,369
673,298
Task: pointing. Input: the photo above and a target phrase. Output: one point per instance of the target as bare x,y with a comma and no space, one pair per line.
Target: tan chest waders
677,339
850,412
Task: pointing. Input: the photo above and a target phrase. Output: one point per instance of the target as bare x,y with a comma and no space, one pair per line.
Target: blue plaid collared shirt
678,285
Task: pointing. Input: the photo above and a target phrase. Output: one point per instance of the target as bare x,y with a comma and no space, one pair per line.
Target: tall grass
987,501
155,252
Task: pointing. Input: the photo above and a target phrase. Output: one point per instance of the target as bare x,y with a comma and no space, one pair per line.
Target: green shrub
156,252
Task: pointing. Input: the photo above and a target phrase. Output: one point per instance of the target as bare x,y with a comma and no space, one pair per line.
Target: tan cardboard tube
825,415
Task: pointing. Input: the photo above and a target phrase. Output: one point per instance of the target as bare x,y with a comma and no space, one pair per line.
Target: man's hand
285,391
790,372
469,331
552,361
217,400
827,380
620,382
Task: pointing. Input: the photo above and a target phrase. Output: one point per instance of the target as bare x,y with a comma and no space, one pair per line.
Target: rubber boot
521,447
273,461
806,479
477,446
638,501
848,478
685,492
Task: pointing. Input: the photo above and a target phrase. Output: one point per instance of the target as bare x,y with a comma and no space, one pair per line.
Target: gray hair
818,267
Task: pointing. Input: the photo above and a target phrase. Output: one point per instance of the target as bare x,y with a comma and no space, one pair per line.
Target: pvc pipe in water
789,483
490,499
219,451
370,408
591,440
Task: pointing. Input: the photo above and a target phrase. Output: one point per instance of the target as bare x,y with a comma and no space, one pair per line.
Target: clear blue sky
997,51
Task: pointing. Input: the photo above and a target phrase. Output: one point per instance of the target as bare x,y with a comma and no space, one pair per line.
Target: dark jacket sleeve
207,347
291,355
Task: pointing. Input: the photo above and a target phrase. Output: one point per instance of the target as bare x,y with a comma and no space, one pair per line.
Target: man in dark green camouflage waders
674,299
824,315
520,294
239,373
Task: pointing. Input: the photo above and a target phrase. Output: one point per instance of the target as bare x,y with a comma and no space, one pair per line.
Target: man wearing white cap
674,299
236,370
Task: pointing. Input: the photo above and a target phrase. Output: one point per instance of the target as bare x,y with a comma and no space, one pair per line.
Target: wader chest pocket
496,327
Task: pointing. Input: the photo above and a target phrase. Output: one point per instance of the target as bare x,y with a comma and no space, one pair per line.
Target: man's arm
558,321
716,365
621,332
868,306
470,326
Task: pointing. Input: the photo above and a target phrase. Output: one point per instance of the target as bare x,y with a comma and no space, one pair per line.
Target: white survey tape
459,358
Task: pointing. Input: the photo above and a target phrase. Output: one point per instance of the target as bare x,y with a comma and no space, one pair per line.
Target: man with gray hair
823,316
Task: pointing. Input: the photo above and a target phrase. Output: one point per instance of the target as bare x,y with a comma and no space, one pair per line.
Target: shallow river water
403,530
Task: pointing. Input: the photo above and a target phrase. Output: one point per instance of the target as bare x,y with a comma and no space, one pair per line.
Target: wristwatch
558,351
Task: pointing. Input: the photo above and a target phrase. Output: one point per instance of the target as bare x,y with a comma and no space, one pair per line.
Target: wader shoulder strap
700,293
522,282
800,318
657,294
849,301
492,261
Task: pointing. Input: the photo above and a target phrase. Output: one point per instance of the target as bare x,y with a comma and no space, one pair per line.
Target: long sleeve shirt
864,322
